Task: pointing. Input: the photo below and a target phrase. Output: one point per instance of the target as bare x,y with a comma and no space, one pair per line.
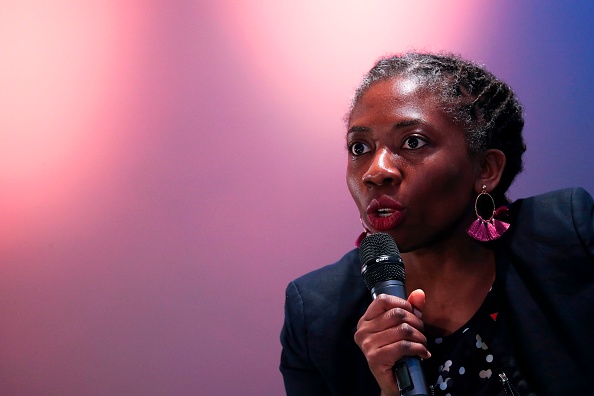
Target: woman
496,304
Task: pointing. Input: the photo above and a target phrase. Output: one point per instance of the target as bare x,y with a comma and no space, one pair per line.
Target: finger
417,300
405,348
388,355
389,336
396,316
388,319
392,317
383,303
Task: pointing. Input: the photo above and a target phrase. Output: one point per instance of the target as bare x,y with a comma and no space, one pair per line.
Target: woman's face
409,170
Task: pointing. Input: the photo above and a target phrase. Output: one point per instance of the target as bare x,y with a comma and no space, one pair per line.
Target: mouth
384,213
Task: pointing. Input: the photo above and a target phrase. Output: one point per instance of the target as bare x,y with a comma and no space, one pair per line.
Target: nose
382,169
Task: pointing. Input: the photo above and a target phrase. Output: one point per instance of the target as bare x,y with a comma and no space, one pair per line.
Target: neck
456,278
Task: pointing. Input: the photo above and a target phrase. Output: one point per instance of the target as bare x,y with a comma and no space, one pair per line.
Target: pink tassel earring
491,229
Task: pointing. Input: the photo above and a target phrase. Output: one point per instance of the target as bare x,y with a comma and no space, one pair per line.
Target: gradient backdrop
167,167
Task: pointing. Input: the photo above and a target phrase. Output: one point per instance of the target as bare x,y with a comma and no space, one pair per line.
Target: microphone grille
375,245
392,268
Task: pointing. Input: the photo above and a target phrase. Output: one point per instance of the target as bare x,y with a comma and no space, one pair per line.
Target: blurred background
167,167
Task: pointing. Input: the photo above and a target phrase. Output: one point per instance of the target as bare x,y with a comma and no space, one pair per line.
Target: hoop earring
363,234
490,229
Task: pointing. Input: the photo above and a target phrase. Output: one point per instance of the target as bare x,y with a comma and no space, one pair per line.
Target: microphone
383,272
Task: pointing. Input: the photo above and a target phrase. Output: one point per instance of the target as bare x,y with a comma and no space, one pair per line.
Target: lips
384,213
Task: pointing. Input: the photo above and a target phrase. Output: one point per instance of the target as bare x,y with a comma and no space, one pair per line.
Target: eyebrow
357,129
401,124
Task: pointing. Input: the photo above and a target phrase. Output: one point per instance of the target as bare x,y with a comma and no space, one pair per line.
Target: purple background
167,167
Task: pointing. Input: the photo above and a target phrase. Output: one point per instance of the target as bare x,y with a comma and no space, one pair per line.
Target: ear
492,165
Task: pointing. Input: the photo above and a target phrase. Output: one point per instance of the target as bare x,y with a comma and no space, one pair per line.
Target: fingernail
417,313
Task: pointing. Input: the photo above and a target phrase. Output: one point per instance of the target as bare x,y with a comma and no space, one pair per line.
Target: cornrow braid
485,106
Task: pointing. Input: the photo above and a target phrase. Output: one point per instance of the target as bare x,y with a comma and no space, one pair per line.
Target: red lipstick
384,213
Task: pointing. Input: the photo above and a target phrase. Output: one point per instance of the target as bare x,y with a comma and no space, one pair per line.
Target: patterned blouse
462,363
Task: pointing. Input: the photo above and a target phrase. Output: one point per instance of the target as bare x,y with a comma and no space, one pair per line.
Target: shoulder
330,281
560,203
347,267
557,214
322,308
556,227
332,291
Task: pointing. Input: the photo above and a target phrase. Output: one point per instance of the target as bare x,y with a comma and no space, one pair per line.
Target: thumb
417,300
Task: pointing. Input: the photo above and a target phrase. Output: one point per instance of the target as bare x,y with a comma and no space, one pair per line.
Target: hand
390,329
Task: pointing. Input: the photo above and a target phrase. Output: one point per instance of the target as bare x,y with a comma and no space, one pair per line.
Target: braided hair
473,97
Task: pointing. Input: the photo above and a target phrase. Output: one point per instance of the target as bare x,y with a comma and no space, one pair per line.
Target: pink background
167,167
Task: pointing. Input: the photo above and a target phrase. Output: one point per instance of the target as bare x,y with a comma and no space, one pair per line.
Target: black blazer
545,327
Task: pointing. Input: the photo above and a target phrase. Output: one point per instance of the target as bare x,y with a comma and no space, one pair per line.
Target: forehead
397,94
402,102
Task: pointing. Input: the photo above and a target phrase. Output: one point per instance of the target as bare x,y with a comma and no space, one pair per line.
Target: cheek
355,187
455,187
451,174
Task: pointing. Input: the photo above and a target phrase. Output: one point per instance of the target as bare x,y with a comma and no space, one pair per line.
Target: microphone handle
408,370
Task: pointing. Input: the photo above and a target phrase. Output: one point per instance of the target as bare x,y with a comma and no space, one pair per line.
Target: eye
413,143
358,148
